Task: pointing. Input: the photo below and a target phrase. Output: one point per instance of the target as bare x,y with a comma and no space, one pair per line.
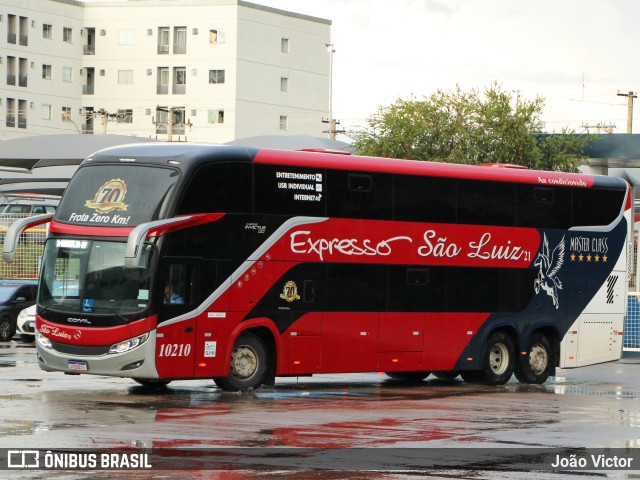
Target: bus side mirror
15,230
139,234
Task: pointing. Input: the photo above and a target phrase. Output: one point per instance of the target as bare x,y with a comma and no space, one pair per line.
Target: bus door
175,342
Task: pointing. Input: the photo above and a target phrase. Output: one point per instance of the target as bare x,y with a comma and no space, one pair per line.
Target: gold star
589,258
604,258
573,257
580,257
597,258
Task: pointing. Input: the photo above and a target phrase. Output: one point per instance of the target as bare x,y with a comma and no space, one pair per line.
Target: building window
67,34
163,40
216,76
216,36
124,116
67,74
284,84
284,122
180,40
46,72
22,113
66,114
179,80
126,37
46,112
284,45
163,81
10,120
216,116
47,31
125,77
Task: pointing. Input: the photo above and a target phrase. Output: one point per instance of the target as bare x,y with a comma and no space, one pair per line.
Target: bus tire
498,362
248,366
7,329
535,367
472,376
446,374
412,377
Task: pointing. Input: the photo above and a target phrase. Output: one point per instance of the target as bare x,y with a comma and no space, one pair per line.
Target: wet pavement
591,407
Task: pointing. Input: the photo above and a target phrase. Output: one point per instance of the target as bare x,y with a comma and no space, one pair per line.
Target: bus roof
188,156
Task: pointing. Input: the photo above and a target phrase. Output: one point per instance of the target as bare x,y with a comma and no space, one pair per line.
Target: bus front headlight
128,345
43,341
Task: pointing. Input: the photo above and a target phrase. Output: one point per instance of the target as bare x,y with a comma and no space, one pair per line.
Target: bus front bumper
139,362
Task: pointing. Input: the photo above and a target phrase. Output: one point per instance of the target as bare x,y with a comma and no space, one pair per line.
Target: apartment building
199,70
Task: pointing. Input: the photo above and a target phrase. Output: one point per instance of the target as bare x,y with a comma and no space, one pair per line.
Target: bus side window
424,199
543,207
176,287
220,187
355,195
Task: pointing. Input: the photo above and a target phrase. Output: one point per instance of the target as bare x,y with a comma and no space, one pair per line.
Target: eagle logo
549,265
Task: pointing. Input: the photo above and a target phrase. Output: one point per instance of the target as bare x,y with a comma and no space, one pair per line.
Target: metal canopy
28,153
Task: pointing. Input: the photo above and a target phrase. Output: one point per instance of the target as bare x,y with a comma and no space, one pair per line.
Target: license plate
77,366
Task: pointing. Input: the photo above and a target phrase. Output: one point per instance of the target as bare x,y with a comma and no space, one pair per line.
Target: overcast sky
576,54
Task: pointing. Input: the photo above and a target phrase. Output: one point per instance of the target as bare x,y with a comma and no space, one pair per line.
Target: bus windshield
89,276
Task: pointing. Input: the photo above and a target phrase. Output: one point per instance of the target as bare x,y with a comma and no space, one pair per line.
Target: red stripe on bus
93,337
414,167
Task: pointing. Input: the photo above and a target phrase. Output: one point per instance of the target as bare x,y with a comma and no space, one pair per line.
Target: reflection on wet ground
51,410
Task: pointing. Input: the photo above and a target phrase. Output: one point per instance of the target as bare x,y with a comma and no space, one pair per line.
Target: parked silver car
26,325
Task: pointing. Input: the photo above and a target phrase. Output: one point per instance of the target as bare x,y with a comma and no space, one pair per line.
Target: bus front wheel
535,366
498,362
248,367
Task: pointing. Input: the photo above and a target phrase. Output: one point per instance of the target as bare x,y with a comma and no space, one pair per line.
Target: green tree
470,127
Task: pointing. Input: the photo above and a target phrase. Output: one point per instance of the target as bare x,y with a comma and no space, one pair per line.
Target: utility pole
333,128
630,96
331,51
171,123
105,118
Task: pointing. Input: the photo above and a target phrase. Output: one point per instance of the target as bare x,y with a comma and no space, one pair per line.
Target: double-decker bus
184,261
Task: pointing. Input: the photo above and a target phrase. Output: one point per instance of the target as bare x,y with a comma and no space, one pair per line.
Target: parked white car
26,325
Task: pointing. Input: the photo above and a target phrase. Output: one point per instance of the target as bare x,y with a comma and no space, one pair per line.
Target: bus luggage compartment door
175,352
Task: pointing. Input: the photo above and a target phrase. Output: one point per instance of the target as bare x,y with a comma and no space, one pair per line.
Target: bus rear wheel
248,367
498,362
412,377
535,367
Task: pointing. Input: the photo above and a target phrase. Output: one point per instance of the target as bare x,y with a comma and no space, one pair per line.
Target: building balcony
89,49
179,89
179,48
87,128
11,38
162,89
22,121
10,121
87,89
163,49
22,81
11,79
24,40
